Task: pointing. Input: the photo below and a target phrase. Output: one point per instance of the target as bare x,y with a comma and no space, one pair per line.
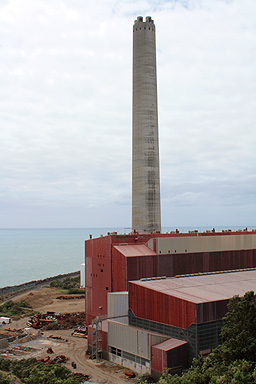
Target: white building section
118,306
82,275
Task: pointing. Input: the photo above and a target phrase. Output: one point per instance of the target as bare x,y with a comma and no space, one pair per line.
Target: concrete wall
194,244
146,215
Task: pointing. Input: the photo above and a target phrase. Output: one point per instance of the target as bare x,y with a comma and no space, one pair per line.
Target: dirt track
43,300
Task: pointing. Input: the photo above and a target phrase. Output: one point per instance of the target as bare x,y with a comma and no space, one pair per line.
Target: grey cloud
65,109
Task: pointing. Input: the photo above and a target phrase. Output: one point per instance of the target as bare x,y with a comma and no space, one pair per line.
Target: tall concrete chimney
146,213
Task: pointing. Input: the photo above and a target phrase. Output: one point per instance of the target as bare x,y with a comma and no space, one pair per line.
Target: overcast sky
65,111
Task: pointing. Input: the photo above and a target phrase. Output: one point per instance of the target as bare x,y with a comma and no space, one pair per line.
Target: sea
34,254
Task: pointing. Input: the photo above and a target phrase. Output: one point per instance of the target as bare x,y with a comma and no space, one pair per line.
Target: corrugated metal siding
211,311
165,265
88,305
132,340
183,301
200,244
177,357
88,271
169,356
119,271
157,359
118,306
139,267
101,274
133,250
161,307
99,302
122,337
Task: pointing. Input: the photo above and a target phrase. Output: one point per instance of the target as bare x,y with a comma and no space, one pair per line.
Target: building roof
169,344
130,250
204,288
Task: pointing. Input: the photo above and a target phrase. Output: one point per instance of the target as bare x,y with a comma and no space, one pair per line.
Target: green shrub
73,291
31,371
16,310
67,284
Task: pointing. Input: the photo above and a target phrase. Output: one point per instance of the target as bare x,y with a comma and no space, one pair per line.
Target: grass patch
68,286
16,310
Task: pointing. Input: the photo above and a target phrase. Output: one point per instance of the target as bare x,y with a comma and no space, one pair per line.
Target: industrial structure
153,300
114,260
146,215
170,320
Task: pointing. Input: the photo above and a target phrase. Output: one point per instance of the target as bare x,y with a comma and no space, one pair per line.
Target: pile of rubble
78,332
12,334
55,321
60,359
16,351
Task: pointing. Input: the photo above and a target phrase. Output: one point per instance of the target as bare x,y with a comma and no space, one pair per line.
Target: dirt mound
36,299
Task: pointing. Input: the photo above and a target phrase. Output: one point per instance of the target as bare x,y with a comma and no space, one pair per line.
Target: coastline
9,290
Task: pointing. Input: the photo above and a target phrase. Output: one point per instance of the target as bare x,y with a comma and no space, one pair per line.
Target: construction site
56,334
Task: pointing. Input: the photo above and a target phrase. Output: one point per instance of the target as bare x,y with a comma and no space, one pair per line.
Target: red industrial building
172,320
114,260
178,287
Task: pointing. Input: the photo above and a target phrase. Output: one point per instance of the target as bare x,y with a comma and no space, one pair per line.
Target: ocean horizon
35,254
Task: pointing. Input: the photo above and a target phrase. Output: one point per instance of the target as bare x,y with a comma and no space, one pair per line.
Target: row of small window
145,28
174,251
95,274
128,356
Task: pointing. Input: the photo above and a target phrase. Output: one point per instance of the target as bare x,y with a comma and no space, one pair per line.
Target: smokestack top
140,20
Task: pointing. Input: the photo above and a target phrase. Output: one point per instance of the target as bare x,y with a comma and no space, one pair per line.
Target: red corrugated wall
119,271
176,357
139,267
163,308
160,307
97,276
185,263
211,311
103,273
158,359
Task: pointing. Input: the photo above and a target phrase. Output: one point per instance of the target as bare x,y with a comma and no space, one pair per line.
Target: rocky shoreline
5,291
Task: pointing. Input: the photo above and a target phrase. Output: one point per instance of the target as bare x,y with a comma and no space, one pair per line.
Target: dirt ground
43,300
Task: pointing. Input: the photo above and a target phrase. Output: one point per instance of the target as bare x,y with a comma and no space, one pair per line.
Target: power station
146,214
154,301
